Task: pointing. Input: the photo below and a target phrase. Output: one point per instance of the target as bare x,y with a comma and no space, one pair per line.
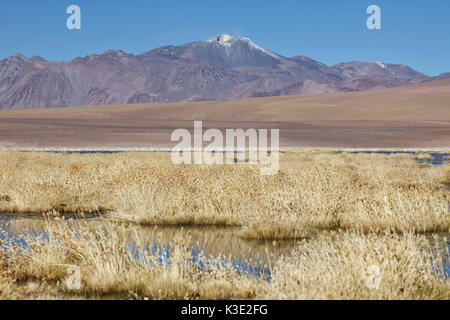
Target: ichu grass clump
116,262
339,265
314,191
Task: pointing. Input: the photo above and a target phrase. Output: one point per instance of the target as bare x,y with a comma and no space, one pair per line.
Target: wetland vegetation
138,226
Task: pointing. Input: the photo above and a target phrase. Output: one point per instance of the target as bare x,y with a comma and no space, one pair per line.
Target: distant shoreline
169,149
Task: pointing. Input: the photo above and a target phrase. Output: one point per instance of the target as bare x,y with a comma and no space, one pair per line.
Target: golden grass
337,265
109,268
6,291
313,191
334,265
354,211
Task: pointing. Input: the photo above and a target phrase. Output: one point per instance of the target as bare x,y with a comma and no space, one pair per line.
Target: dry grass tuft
352,212
116,262
313,191
337,265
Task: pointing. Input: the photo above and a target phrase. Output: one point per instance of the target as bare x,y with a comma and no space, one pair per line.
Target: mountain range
220,68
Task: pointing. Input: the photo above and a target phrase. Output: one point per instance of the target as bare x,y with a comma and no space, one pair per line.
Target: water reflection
435,159
213,244
206,244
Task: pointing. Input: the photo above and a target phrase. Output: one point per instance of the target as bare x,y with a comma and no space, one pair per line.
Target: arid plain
416,116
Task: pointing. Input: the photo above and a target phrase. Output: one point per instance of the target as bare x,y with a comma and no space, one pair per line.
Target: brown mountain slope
220,68
411,116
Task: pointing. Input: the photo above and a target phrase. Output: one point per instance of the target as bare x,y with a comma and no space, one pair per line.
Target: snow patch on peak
273,55
223,39
380,64
227,41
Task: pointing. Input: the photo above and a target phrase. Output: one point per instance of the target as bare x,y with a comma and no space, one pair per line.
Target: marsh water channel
251,257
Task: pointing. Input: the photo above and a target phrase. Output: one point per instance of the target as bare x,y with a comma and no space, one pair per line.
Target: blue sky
416,33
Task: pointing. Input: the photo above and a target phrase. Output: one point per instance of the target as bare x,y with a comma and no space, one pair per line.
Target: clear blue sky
413,32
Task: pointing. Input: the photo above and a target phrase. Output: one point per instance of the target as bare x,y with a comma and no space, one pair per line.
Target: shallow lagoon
251,257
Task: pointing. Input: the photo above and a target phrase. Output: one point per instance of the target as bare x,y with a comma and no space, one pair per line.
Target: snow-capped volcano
222,67
226,40
229,51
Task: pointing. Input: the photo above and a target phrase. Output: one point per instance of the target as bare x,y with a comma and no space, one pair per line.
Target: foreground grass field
349,213
335,265
313,191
